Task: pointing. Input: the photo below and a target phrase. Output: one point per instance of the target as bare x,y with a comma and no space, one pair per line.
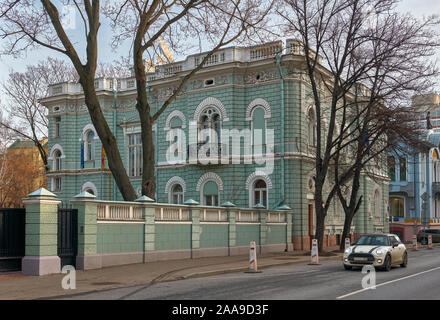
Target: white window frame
137,148
57,127
180,194
260,191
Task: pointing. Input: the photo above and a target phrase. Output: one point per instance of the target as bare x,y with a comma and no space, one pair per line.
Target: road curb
241,269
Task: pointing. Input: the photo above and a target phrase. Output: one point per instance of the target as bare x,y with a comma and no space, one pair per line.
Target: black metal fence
12,238
67,234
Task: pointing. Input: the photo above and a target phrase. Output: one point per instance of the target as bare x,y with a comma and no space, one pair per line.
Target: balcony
212,153
435,187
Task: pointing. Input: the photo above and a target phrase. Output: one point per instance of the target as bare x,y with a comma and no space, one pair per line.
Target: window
57,128
397,207
392,168
177,194
56,184
89,147
134,155
57,160
260,193
437,205
210,128
210,194
377,205
258,130
311,127
402,166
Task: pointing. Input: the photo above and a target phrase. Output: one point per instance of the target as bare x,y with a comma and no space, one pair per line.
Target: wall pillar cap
191,202
144,199
85,196
41,195
284,208
228,204
259,206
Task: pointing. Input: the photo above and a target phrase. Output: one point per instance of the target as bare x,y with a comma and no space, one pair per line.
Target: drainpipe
115,99
278,60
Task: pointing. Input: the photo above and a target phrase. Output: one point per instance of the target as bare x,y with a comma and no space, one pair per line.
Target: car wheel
424,241
387,263
347,267
405,260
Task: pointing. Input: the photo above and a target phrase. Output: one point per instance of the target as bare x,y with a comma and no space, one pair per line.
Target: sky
418,8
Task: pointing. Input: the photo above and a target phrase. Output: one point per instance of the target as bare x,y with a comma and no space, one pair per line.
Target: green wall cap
228,204
42,193
191,202
85,195
284,207
259,206
144,199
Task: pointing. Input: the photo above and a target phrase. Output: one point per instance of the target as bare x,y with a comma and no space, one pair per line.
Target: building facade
415,176
22,171
252,95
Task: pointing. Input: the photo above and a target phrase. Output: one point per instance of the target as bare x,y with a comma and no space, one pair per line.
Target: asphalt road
420,280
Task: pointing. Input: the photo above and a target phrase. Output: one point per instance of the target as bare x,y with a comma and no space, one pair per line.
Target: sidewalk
15,286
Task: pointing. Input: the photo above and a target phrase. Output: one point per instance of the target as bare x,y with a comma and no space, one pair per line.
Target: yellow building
22,172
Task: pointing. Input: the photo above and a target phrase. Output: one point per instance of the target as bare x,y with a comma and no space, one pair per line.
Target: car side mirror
395,245
354,243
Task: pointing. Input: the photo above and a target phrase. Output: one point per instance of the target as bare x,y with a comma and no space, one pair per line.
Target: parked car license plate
360,259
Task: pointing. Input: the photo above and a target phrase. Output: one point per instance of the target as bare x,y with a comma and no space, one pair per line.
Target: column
41,244
87,257
149,230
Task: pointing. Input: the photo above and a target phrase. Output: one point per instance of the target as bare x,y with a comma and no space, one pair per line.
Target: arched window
260,193
177,194
392,168
311,119
258,130
176,122
175,136
90,188
89,146
402,166
57,160
210,124
210,194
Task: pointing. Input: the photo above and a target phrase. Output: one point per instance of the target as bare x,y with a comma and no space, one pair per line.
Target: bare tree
5,139
145,23
363,61
27,117
30,24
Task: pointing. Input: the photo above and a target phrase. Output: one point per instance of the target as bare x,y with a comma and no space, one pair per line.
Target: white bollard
347,243
415,242
430,242
314,253
253,266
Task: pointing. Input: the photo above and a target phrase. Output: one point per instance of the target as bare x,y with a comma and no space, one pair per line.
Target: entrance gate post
41,257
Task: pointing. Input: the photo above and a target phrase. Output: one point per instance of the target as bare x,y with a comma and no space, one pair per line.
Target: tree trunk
347,229
108,140
148,177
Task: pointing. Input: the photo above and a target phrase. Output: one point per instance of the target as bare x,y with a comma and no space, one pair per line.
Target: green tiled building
243,89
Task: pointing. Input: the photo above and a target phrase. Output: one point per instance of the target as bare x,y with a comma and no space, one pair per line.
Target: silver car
379,250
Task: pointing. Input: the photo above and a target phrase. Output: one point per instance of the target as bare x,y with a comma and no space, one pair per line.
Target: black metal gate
67,235
12,238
